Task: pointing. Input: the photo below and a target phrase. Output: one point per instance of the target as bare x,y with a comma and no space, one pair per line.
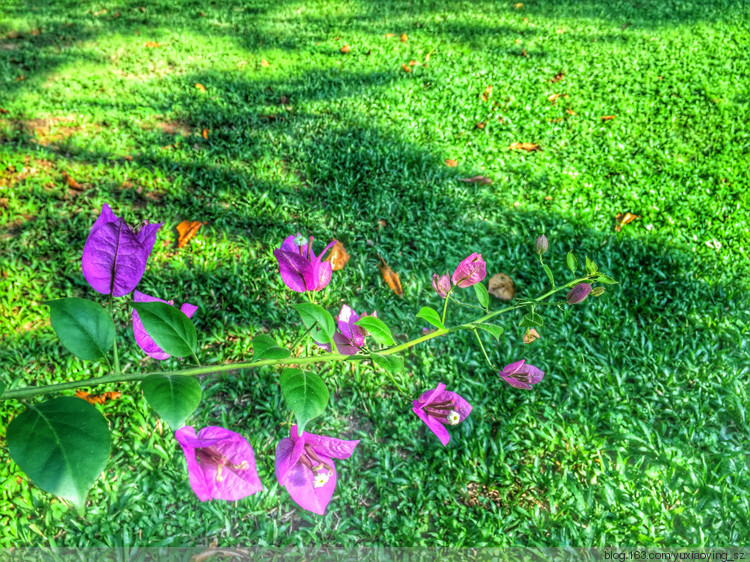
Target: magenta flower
470,271
142,338
349,337
438,408
578,293
441,284
300,269
220,462
114,257
304,466
520,375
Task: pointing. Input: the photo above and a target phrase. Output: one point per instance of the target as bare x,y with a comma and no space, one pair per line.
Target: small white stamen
453,418
300,240
320,479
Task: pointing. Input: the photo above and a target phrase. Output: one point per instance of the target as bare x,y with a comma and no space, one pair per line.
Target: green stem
445,306
116,358
214,369
481,345
195,358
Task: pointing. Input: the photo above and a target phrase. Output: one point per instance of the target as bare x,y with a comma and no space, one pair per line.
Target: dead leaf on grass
345,49
201,87
501,286
264,62
624,218
406,68
390,277
559,76
186,230
451,163
338,256
527,146
72,183
486,93
404,37
152,45
3,111
607,117
204,134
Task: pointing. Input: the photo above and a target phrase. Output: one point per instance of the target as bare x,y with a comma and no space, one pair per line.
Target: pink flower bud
441,284
470,271
578,293
541,245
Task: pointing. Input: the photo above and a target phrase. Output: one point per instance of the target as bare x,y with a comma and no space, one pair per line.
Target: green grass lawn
637,435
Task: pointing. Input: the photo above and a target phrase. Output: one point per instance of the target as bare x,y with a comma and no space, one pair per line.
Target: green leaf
377,329
306,394
496,331
606,280
168,327
391,363
482,295
174,397
572,262
62,445
264,347
84,327
531,320
2,388
431,316
313,315
590,267
548,271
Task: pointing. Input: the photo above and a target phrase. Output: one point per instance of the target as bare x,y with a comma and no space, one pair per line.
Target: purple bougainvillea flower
470,271
142,338
114,257
441,284
578,293
349,337
300,269
520,375
438,408
220,463
304,466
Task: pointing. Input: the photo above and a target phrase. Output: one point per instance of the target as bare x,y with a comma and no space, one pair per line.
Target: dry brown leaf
528,146
201,87
413,63
451,163
559,76
142,9
502,287
73,184
264,62
36,31
382,223
553,98
404,37
479,125
518,6
548,198
283,100
524,53
368,53
607,117
116,15
531,335
186,230
338,256
481,180
389,35
486,93
570,111
100,12
345,49
20,78
624,218
390,277
3,111
406,68
152,45
204,134
427,57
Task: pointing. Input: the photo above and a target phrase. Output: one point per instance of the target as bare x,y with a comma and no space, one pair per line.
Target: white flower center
453,418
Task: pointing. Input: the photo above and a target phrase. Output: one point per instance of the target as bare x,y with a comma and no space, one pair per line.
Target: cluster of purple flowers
220,462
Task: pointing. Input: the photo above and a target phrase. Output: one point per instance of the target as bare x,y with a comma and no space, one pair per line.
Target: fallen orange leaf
481,180
3,111
607,117
427,57
479,125
186,230
406,68
264,62
518,6
338,256
413,62
486,93
204,134
389,35
451,163
559,76
404,37
570,111
553,98
97,398
201,87
153,45
345,49
501,286
624,218
73,184
524,146
390,277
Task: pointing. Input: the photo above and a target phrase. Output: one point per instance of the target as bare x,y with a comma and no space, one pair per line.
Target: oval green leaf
531,320
572,262
314,316
377,329
548,271
168,327
305,393
391,363
174,397
591,268
62,445
606,280
495,331
264,347
83,327
482,295
431,316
